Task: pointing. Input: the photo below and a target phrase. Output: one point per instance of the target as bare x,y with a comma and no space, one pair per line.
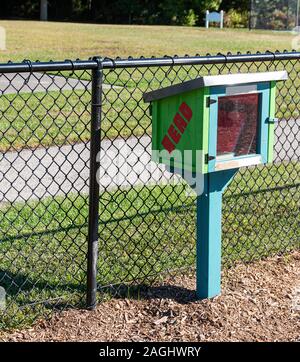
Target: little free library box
229,119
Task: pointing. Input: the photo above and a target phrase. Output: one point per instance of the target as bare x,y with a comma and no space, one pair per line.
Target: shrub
190,19
236,19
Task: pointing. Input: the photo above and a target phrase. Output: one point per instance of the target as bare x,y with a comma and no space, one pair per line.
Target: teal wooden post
209,233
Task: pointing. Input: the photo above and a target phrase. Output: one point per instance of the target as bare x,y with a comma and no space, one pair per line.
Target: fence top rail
110,63
28,66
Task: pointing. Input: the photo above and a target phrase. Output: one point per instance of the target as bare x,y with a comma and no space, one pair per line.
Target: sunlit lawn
49,40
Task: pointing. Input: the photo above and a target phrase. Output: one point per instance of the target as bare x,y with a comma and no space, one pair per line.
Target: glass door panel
237,125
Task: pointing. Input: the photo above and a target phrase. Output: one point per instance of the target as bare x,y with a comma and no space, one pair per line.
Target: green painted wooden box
214,123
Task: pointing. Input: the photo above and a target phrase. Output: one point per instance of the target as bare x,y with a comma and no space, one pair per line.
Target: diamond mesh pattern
147,216
44,145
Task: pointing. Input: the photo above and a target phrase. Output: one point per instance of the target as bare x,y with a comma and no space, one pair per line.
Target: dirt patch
258,303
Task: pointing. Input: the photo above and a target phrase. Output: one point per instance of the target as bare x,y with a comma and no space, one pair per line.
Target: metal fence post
93,222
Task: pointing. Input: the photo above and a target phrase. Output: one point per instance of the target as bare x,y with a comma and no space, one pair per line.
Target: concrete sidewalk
13,83
35,174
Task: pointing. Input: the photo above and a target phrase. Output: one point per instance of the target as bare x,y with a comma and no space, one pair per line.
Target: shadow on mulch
144,292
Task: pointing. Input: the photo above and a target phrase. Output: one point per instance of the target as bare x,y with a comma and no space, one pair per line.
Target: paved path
34,174
287,140
11,83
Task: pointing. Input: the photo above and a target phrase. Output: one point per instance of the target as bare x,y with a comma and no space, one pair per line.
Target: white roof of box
215,80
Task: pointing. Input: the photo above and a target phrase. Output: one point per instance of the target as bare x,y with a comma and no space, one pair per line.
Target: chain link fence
67,125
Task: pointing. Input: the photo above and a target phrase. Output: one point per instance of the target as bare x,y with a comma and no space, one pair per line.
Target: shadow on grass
25,291
179,294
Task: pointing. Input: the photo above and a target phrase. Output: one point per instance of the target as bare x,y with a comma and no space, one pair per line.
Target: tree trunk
44,10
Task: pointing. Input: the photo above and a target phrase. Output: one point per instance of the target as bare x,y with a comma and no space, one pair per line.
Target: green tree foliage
237,5
177,12
274,14
19,9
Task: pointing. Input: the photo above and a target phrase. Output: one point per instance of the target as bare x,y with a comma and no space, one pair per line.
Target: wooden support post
209,233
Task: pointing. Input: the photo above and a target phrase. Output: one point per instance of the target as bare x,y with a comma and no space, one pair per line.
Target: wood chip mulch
259,302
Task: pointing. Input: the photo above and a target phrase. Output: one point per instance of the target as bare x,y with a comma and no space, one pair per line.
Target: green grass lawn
144,231
44,41
57,118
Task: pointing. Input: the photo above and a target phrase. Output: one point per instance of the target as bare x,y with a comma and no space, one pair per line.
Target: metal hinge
272,120
210,101
209,158
150,109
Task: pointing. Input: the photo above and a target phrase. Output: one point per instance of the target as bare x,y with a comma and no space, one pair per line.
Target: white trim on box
241,89
238,162
242,78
